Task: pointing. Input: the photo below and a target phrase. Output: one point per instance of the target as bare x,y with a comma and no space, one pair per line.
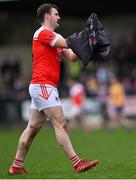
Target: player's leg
35,123
59,124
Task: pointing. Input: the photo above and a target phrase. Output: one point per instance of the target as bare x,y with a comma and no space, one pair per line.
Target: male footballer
47,47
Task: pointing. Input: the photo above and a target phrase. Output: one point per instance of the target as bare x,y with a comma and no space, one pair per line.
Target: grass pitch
45,160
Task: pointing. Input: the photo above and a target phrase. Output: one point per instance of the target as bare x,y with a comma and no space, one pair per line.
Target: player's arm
61,42
67,52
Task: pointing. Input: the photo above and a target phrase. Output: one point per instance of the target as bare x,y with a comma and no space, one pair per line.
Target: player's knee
33,129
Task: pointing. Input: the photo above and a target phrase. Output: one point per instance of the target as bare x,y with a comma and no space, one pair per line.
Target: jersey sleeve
48,37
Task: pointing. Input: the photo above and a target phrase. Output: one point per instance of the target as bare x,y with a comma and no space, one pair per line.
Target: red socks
17,163
75,160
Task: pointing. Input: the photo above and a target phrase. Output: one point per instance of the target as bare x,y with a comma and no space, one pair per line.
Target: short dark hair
44,8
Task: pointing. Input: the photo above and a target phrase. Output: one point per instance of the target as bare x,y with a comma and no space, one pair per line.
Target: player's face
54,18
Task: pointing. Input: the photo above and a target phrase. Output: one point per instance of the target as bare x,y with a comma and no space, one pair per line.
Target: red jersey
77,94
46,57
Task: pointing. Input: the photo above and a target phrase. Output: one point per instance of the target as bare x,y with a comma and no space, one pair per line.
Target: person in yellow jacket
116,103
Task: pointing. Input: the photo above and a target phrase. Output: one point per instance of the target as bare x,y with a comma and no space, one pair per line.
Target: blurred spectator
92,87
13,90
6,73
64,74
21,89
122,50
116,102
21,94
16,66
10,70
103,73
77,97
103,97
128,86
83,76
134,85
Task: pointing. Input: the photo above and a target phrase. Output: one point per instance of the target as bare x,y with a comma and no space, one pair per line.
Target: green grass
45,160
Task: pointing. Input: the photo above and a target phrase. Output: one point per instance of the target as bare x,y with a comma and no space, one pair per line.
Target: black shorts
119,109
